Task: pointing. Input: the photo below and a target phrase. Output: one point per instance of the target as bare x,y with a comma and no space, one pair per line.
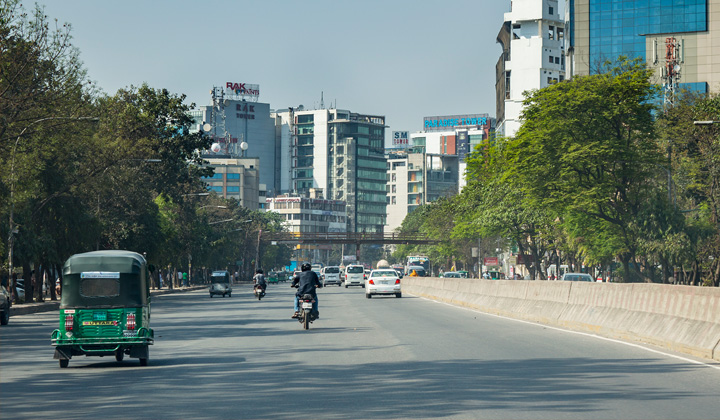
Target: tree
587,147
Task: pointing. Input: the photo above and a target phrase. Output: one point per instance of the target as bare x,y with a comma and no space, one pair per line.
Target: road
383,358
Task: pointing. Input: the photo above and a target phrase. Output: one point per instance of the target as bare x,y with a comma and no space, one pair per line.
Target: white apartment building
532,39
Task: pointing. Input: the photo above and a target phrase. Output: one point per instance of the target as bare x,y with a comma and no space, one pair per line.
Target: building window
551,32
507,84
233,189
233,176
557,60
551,10
394,177
394,200
394,189
552,60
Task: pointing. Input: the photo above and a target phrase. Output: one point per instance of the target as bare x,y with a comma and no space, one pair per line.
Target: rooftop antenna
322,101
671,72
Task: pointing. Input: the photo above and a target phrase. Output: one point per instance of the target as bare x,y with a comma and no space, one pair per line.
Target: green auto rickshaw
104,307
273,277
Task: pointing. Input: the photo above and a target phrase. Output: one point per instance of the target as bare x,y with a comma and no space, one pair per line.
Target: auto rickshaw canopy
105,279
221,276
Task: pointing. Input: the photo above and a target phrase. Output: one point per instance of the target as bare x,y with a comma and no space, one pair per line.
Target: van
331,275
354,275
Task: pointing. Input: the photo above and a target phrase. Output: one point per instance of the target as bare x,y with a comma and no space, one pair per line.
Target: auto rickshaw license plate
99,316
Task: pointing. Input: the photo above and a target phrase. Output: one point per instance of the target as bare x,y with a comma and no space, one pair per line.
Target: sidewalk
50,305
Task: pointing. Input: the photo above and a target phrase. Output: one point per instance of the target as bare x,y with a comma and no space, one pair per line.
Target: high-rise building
236,119
679,39
533,57
340,153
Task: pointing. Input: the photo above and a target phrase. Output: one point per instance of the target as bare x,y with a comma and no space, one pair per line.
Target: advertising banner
401,139
452,122
491,261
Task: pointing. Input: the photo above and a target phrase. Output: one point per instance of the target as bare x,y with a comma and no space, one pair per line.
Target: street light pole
13,229
257,251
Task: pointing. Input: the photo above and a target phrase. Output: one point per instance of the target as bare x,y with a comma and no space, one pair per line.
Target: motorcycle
306,315
259,291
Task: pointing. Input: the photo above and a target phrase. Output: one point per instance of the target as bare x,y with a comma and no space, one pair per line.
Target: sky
404,59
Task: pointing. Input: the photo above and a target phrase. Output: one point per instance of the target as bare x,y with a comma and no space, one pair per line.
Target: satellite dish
226,102
215,147
244,146
206,127
677,67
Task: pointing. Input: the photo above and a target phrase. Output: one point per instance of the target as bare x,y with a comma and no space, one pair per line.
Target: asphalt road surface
380,358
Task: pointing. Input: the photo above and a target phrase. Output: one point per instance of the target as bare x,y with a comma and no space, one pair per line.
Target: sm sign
401,138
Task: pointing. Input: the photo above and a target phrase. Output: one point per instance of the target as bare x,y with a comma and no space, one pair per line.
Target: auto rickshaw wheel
119,355
143,362
64,363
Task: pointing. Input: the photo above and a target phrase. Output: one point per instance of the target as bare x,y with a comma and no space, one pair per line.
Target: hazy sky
405,59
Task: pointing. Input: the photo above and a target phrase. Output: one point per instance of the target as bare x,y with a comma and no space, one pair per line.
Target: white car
577,277
354,275
383,282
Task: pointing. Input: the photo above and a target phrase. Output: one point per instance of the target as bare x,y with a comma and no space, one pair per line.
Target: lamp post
13,229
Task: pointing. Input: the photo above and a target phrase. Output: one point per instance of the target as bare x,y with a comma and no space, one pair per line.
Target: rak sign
243,89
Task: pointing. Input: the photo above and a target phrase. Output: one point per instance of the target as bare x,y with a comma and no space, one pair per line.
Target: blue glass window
619,23
233,176
233,189
217,189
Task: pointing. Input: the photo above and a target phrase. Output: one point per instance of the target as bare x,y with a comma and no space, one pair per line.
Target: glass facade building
603,30
618,27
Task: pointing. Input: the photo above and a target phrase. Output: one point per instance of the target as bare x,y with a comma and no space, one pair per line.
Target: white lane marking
612,340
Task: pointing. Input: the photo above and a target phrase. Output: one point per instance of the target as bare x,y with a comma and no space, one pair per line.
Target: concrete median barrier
680,318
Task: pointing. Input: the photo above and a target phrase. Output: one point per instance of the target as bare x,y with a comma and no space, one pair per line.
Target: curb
53,305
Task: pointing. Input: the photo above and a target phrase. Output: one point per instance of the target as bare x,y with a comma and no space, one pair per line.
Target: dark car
5,304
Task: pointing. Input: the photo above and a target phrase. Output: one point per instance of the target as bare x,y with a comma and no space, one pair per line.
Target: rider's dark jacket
306,281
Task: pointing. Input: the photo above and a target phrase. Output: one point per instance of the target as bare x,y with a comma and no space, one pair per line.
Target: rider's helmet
259,271
305,267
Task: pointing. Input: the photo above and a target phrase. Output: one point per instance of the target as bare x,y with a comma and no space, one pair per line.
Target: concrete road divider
680,318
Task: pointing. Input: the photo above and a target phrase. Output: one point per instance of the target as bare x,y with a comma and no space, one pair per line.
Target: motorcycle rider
259,279
306,282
